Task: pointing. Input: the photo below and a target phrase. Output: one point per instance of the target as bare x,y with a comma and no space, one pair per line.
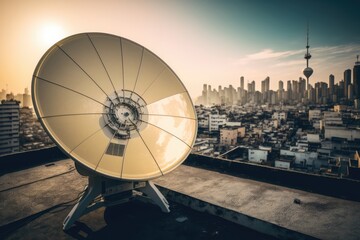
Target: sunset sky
203,41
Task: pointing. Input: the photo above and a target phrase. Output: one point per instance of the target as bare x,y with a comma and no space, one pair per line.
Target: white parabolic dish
114,106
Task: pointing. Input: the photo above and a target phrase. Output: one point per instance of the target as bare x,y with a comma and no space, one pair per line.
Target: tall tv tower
308,71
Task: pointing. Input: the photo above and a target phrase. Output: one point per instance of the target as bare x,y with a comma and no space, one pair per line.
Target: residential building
304,158
341,132
228,136
216,120
9,126
279,116
285,162
258,155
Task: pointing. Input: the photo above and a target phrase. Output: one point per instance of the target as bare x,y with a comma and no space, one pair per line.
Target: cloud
267,54
270,54
337,49
294,57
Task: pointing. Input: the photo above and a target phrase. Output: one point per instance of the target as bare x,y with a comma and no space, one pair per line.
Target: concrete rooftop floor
35,201
317,215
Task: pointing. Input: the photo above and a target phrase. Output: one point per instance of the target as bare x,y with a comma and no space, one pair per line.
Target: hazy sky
203,41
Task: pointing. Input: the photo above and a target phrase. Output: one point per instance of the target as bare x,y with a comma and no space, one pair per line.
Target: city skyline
208,42
345,92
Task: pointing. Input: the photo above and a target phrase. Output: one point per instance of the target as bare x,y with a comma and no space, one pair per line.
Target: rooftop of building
36,200
10,102
205,204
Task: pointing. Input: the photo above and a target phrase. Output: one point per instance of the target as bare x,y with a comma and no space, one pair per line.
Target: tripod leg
93,190
153,192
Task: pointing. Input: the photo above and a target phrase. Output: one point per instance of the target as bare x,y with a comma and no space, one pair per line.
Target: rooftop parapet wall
22,160
331,186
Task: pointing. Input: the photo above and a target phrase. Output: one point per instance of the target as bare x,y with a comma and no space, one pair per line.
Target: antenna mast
308,71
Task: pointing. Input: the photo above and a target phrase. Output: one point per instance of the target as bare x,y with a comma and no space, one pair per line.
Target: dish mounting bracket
105,192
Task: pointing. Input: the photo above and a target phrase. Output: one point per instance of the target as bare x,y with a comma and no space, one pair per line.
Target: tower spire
307,56
308,71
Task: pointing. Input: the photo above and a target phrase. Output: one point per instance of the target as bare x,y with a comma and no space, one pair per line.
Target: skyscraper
242,82
321,92
267,84
356,78
350,95
281,91
251,87
331,84
341,91
26,98
289,90
302,87
295,90
205,95
347,81
281,85
263,87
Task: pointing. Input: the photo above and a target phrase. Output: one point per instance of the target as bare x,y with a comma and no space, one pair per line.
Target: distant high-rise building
347,81
350,94
324,93
331,84
280,94
204,95
295,90
251,87
263,91
281,85
289,89
242,82
208,91
9,126
311,95
317,92
302,87
267,84
340,92
26,98
267,96
356,78
273,98
321,92
205,87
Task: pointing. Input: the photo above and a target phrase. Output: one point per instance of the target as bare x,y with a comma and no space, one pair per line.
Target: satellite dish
119,111
114,106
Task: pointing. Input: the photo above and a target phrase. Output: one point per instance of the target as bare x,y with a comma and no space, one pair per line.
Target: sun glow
50,33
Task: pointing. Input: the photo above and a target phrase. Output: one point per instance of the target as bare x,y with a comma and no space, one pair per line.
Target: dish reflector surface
114,106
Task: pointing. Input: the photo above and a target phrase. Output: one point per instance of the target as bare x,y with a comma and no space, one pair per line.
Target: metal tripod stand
104,192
